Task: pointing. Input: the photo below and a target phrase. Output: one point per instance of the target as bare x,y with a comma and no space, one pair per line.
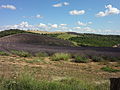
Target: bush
112,58
2,53
41,54
21,53
109,69
81,59
60,56
97,58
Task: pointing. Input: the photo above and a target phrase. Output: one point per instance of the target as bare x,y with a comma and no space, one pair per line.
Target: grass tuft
21,53
2,53
41,54
109,69
60,56
97,58
81,59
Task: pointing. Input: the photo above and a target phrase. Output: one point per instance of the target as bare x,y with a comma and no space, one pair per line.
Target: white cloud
42,25
89,22
79,28
84,24
83,29
61,4
54,26
57,5
109,10
77,12
47,27
65,3
88,29
63,24
12,7
23,25
81,23
101,14
38,16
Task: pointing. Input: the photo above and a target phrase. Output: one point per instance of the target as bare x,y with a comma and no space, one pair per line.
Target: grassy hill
94,40
11,32
45,32
25,37
77,39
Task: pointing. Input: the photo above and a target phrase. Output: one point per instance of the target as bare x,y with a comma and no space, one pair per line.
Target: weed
109,69
2,53
21,53
60,56
41,54
81,59
97,58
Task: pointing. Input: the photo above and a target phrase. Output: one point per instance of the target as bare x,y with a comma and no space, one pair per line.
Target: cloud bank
109,11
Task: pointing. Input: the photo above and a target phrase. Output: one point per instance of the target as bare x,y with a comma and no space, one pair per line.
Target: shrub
109,69
21,53
41,54
60,56
97,58
2,53
112,58
81,59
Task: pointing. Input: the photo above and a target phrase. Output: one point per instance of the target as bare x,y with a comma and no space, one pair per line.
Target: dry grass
45,32
90,73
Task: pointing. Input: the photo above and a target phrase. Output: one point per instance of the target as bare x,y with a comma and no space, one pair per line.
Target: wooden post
114,83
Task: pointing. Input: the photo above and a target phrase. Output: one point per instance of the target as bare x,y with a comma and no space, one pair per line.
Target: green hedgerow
60,56
21,53
81,59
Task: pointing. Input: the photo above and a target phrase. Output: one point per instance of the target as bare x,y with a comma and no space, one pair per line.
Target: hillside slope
28,38
94,40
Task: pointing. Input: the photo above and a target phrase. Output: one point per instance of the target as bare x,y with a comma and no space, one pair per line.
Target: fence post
114,83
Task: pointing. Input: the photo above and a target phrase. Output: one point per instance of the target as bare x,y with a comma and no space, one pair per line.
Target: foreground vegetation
40,72
27,82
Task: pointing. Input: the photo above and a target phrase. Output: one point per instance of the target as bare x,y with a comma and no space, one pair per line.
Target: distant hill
29,38
52,43
45,32
95,40
78,39
11,32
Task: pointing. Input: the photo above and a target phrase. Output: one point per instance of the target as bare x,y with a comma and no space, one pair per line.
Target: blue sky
83,16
